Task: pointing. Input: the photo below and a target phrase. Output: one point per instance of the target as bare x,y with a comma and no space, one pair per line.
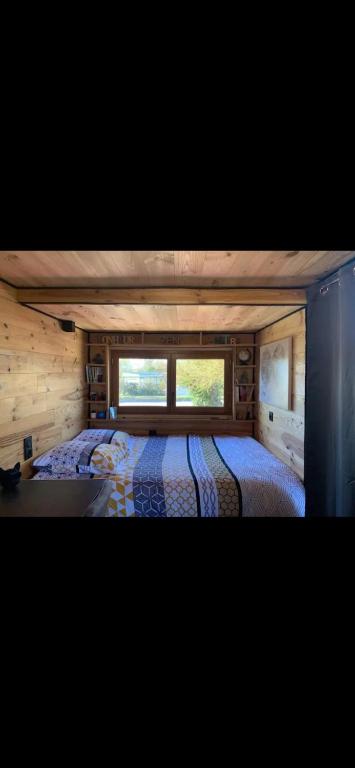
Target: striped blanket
194,476
175,477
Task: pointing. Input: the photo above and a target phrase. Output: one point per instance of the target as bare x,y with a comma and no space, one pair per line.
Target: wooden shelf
96,402
99,420
96,365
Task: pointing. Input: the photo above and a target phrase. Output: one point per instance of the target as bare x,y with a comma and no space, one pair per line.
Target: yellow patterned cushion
105,458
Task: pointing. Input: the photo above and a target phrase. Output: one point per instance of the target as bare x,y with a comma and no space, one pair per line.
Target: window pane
143,382
200,383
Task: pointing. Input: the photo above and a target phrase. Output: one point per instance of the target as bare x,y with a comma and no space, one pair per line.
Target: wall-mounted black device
27,447
68,325
271,416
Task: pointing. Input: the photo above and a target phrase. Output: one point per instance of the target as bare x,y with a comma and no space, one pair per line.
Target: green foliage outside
201,380
204,379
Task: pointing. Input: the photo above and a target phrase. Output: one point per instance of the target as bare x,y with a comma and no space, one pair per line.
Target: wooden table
55,498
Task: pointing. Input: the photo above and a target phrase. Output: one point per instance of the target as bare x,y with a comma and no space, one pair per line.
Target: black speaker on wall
68,325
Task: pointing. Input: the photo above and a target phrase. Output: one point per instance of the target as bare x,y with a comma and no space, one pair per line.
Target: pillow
122,439
95,435
65,457
103,459
45,474
76,455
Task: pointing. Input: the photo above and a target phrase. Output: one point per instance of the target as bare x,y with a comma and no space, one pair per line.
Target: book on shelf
93,374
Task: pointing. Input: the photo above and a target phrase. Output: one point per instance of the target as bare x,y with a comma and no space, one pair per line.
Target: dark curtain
330,396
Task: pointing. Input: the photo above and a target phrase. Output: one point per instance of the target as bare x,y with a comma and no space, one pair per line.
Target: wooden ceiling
140,317
170,269
102,269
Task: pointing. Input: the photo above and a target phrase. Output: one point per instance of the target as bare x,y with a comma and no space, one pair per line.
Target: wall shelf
100,421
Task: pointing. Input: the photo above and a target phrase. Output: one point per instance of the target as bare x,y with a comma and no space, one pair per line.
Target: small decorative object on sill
101,415
10,477
93,415
93,396
113,412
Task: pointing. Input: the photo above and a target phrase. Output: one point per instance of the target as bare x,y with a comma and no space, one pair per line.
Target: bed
179,476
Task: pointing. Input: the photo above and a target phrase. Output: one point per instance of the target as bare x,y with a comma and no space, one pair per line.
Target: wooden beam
7,291
168,296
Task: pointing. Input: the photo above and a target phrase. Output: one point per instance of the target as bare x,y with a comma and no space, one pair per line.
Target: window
199,383
174,382
143,382
139,381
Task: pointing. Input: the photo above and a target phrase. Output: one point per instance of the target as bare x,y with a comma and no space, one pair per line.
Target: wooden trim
168,296
227,356
114,378
7,291
171,408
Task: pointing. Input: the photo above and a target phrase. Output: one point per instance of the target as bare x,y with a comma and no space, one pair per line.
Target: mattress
194,476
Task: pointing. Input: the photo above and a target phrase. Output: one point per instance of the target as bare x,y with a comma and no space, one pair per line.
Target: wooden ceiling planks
141,317
124,270
168,268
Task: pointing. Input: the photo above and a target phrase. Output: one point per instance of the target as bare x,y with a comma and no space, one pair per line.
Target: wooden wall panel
285,435
42,381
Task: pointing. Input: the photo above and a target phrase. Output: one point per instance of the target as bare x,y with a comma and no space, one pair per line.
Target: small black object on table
10,477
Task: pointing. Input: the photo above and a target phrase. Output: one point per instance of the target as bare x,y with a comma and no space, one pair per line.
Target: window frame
115,377
227,356
172,356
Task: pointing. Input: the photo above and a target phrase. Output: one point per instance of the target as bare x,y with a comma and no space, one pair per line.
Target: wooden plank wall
285,435
42,381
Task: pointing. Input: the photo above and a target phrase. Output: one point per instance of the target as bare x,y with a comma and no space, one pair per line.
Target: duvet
194,476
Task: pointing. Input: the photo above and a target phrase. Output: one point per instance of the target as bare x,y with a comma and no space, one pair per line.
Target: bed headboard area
109,352
43,391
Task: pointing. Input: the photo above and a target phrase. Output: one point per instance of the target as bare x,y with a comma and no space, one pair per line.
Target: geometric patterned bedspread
194,476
